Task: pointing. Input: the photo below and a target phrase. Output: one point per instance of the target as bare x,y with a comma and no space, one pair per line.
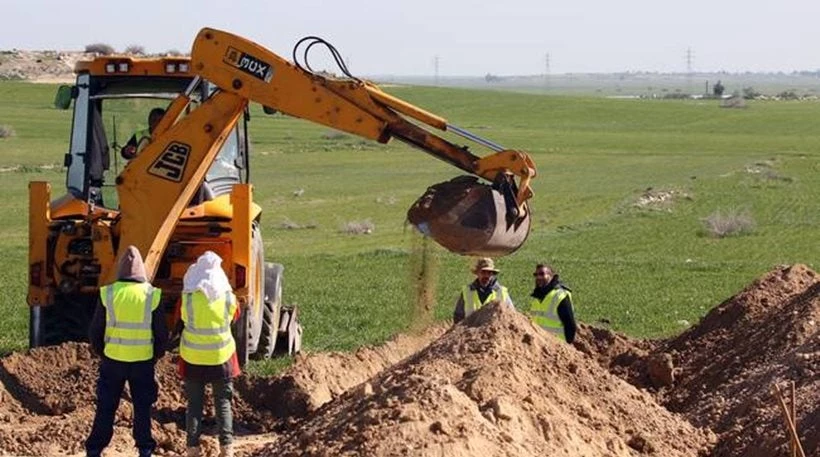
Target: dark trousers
223,393
113,376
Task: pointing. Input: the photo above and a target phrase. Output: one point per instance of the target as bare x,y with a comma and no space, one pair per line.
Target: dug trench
493,385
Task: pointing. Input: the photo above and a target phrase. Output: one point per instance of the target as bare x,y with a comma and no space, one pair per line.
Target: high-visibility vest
473,303
143,137
206,337
544,313
128,308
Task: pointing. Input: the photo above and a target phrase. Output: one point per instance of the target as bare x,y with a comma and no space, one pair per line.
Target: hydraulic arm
464,216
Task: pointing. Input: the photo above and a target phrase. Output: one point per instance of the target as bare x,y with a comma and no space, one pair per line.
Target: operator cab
113,97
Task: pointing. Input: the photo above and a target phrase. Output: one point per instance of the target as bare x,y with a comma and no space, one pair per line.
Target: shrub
364,227
334,135
99,48
6,131
135,50
736,101
749,93
720,225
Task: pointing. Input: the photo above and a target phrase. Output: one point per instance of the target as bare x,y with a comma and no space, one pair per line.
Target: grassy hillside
646,270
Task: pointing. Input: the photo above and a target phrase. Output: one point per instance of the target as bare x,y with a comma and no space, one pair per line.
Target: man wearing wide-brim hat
483,290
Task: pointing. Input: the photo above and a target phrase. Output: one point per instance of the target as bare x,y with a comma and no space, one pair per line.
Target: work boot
192,452
226,450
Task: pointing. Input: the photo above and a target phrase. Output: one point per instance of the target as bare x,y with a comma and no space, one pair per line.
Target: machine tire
67,319
270,312
240,335
256,317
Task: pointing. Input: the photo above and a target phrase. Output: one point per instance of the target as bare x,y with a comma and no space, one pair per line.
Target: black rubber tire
65,320
240,335
270,313
256,320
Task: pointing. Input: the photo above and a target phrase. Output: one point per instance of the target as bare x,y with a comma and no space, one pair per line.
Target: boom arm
156,186
240,66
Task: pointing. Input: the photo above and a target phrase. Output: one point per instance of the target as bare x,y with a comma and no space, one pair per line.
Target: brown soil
495,385
47,397
719,373
317,379
769,332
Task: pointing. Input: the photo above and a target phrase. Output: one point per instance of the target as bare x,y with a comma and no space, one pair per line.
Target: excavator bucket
469,218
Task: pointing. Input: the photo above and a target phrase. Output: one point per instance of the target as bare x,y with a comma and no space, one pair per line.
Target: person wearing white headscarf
207,348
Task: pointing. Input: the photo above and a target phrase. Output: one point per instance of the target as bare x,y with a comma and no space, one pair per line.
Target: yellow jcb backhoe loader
187,190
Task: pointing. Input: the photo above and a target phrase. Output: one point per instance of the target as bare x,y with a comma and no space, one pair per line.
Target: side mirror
62,100
268,110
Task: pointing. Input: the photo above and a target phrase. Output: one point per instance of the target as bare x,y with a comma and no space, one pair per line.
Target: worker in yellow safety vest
128,331
551,304
484,289
141,138
207,349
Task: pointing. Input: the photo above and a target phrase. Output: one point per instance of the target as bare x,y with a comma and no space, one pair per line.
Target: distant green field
644,270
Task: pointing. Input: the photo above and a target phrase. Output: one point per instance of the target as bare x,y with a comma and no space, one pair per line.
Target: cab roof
115,65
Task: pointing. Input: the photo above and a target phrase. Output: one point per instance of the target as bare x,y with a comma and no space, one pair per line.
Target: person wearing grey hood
129,333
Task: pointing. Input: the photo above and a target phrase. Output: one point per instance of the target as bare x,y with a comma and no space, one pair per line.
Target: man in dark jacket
551,304
128,331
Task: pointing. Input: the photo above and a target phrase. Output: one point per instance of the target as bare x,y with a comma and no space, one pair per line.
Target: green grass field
643,270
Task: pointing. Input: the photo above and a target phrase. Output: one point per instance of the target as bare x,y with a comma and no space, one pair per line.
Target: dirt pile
316,379
47,396
726,365
45,66
495,385
719,373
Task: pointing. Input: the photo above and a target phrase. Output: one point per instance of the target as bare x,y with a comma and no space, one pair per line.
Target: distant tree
135,50
491,78
99,48
790,94
718,89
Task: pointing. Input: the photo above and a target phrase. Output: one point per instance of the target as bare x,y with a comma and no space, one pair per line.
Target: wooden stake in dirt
794,416
796,447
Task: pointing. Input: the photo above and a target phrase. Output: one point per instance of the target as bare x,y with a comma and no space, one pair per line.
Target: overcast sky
470,37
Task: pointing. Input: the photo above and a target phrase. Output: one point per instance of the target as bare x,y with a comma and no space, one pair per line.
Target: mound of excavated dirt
719,373
316,379
726,365
47,396
494,385
623,356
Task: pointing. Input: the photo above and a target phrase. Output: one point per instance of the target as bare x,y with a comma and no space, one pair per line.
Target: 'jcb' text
171,163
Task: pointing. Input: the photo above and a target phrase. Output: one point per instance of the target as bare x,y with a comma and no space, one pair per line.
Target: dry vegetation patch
734,222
